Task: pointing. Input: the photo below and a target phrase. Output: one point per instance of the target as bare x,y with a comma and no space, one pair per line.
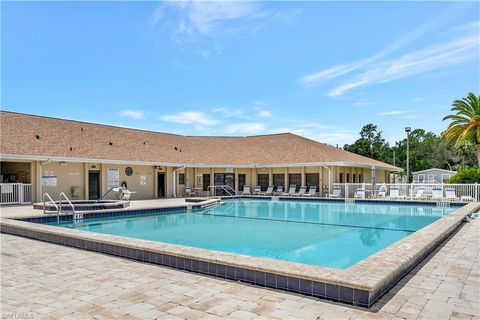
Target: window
340,178
262,180
296,179
312,179
181,178
360,178
348,177
445,177
279,180
431,178
354,178
421,178
206,181
242,180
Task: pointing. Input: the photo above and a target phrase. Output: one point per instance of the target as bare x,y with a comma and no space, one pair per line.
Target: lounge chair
246,190
437,194
125,194
336,192
189,192
360,193
382,192
279,191
395,193
291,191
450,194
269,191
312,191
420,193
257,190
301,192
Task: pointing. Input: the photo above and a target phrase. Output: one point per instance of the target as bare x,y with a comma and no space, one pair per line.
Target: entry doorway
227,179
93,185
161,185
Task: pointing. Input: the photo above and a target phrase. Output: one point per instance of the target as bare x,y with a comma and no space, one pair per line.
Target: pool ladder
62,196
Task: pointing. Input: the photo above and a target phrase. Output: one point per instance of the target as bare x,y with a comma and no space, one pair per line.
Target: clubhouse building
84,160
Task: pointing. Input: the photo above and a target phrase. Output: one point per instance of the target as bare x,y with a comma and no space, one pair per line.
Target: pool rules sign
113,176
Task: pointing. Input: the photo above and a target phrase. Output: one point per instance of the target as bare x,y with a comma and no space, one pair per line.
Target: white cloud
230,112
453,52
246,128
394,112
362,103
132,114
198,118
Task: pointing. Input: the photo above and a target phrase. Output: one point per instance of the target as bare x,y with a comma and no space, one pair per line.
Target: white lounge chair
257,190
312,191
125,194
246,190
291,191
450,194
420,193
189,192
301,192
395,193
269,191
437,194
336,192
360,193
382,192
279,191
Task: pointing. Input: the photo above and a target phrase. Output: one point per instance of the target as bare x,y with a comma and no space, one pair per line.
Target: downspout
329,184
175,180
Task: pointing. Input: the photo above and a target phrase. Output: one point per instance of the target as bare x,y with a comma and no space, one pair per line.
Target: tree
465,125
371,144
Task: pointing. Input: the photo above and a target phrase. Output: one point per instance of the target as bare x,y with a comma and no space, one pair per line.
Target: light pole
407,130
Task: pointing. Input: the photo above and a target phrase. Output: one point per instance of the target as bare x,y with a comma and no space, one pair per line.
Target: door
161,185
93,185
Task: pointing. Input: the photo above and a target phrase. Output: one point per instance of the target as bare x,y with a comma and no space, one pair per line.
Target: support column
303,176
270,176
235,170
86,168
320,181
287,183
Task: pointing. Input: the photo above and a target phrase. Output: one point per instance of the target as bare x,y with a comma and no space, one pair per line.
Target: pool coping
361,284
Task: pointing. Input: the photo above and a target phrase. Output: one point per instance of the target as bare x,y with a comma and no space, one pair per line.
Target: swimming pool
328,234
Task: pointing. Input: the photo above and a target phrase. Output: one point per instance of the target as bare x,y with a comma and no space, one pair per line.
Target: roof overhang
17,157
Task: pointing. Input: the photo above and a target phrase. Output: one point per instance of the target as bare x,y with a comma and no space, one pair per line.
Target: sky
318,69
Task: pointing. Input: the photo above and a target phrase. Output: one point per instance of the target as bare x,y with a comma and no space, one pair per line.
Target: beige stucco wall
69,174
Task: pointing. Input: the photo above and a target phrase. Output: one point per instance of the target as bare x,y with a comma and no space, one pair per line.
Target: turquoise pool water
330,234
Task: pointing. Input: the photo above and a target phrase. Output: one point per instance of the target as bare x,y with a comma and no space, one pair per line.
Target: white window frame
421,178
431,178
448,175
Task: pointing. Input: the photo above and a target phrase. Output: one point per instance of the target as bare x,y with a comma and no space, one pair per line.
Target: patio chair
189,192
312,191
125,194
450,194
336,192
246,190
257,190
301,192
437,194
279,191
291,190
269,191
420,193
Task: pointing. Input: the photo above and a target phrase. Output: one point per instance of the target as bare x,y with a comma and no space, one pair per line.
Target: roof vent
81,129
71,149
176,148
37,136
144,143
110,143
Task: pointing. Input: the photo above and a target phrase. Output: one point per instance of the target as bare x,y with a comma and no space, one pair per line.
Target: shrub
466,175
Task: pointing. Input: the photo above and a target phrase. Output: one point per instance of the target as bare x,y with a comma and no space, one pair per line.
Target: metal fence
410,191
15,193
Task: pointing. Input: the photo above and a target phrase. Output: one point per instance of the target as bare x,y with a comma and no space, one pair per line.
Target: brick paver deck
46,281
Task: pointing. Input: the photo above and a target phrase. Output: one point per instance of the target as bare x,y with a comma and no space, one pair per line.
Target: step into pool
328,234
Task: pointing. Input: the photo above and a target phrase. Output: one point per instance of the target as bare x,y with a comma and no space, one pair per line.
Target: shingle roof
30,135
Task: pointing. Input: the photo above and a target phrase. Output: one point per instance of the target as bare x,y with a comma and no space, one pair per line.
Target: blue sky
318,69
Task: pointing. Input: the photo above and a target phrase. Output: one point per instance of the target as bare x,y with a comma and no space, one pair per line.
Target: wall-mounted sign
112,177
74,173
143,180
49,181
128,171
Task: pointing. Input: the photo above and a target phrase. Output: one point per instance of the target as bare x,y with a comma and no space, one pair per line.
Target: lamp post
407,130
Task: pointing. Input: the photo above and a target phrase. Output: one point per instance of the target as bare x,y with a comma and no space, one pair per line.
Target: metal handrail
231,192
51,200
68,200
105,194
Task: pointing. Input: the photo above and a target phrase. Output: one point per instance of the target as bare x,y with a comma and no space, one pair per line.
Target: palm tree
465,125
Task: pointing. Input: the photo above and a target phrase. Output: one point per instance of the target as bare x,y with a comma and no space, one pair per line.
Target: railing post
476,191
346,190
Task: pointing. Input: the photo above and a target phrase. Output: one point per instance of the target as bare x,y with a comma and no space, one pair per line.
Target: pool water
329,234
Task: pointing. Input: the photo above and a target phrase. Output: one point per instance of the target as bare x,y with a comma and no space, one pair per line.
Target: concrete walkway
46,281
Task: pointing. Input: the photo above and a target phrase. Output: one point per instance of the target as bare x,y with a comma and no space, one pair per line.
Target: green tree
371,144
465,125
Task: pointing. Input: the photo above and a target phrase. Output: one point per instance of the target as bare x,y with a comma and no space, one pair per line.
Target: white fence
415,191
15,193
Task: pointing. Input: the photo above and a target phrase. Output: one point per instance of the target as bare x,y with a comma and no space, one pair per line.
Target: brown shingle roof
30,135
